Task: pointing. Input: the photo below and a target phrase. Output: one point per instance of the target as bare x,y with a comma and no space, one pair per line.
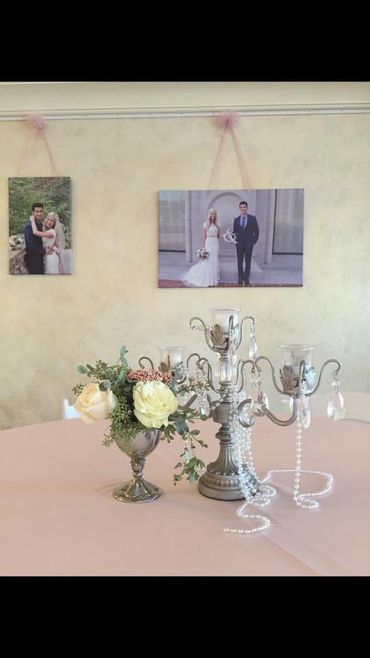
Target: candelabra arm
265,358
336,371
252,419
207,336
283,423
201,362
262,410
246,317
207,332
145,358
194,326
209,374
191,356
240,371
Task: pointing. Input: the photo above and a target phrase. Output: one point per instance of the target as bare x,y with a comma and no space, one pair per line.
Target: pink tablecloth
58,516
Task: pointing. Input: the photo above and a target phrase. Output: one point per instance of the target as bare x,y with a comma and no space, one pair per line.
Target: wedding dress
206,272
51,260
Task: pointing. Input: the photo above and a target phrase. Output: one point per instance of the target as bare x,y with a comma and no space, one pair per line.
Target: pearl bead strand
242,442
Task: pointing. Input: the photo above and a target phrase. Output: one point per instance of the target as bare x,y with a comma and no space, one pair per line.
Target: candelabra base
221,479
224,486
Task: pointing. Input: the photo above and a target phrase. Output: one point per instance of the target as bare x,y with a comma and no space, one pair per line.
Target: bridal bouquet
202,253
138,400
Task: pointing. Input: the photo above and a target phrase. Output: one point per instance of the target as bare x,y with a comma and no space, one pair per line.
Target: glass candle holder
221,316
292,355
175,355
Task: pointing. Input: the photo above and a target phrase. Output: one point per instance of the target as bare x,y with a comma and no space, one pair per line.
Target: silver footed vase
138,490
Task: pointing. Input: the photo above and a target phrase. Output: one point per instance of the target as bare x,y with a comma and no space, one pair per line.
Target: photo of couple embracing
40,226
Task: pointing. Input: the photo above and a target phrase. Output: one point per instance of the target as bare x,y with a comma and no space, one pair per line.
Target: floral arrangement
202,253
138,400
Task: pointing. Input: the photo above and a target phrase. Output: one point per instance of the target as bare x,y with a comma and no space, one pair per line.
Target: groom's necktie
243,222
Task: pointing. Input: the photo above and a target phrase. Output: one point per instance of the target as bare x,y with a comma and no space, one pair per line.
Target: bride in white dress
207,272
53,243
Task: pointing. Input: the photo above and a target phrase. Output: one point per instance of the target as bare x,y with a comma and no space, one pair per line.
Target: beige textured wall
117,166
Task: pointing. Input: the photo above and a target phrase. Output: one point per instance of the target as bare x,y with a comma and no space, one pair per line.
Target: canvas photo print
40,223
230,238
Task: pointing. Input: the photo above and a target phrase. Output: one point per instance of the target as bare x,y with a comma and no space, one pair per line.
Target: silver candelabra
298,382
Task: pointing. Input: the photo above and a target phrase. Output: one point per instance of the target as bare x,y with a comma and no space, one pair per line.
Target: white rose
154,402
93,404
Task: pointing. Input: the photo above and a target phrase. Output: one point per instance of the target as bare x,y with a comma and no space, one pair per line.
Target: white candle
222,317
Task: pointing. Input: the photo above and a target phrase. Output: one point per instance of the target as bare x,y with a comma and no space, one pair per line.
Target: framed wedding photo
230,238
40,226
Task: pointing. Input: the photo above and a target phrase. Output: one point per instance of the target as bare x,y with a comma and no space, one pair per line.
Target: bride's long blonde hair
210,211
58,226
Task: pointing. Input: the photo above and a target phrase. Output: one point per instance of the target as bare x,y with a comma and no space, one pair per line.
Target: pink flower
150,375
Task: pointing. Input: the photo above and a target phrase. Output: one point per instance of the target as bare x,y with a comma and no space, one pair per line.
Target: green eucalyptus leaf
82,369
105,385
122,374
181,427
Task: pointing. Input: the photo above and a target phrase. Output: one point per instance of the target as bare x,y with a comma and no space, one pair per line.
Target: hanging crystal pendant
304,412
254,389
287,401
262,399
253,349
203,404
233,361
205,410
335,408
233,356
254,383
199,375
259,397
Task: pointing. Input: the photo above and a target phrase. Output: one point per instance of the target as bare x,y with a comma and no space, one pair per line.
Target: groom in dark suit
34,248
246,233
